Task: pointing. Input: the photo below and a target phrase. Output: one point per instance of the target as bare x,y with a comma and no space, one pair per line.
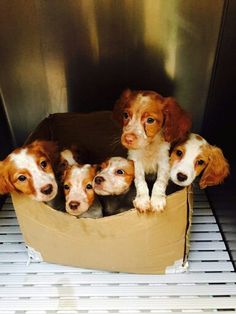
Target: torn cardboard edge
151,243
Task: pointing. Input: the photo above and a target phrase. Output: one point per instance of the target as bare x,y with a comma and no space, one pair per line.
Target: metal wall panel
78,55
219,126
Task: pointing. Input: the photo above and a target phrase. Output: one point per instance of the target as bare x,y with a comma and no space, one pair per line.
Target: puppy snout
130,138
74,205
182,177
47,189
99,179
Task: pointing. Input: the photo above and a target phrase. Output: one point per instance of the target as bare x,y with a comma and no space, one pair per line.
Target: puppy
67,158
114,185
151,123
28,170
196,156
79,194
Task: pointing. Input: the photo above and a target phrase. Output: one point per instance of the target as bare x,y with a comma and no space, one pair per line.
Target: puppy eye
89,186
43,164
120,171
179,153
22,178
200,162
66,187
150,120
125,115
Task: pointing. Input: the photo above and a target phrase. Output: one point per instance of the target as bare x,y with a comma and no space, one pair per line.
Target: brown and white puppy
79,193
28,170
151,123
114,185
196,156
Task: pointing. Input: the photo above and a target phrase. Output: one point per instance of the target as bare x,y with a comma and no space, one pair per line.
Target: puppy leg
158,198
142,199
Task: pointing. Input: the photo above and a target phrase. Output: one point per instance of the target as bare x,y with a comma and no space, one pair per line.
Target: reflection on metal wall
77,55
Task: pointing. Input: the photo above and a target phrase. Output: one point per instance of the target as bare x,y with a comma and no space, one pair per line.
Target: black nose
181,176
47,189
74,205
99,179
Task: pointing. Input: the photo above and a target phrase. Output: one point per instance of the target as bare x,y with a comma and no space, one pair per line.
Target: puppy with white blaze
114,185
195,157
28,170
79,194
150,124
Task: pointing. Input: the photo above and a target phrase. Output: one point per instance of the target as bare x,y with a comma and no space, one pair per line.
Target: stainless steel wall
78,55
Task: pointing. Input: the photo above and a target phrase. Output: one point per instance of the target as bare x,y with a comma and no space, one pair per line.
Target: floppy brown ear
5,184
120,105
49,148
217,169
177,122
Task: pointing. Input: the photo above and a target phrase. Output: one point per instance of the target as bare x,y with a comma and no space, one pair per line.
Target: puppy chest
150,165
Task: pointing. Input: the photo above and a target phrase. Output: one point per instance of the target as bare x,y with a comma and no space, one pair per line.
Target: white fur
68,156
77,189
193,147
151,159
134,126
113,184
40,178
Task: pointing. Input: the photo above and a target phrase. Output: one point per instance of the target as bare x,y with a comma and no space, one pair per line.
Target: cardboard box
152,243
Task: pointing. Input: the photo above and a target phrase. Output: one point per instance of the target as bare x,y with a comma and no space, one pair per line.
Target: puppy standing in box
28,170
151,123
195,157
114,185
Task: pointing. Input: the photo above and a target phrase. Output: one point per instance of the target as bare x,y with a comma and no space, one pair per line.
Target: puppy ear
49,148
120,105
76,153
64,174
5,184
177,122
62,166
216,170
94,169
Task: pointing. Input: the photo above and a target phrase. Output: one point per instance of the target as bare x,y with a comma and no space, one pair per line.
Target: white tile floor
208,286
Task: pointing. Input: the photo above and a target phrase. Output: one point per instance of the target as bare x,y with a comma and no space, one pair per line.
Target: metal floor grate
208,286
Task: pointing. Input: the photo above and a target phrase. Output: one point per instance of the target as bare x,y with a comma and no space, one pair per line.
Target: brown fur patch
89,192
129,101
177,121
9,182
204,156
174,156
47,148
217,168
129,172
6,185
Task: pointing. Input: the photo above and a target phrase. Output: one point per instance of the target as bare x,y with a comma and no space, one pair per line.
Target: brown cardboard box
129,242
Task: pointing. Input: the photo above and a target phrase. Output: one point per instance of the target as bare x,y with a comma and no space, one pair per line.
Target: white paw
142,203
158,202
